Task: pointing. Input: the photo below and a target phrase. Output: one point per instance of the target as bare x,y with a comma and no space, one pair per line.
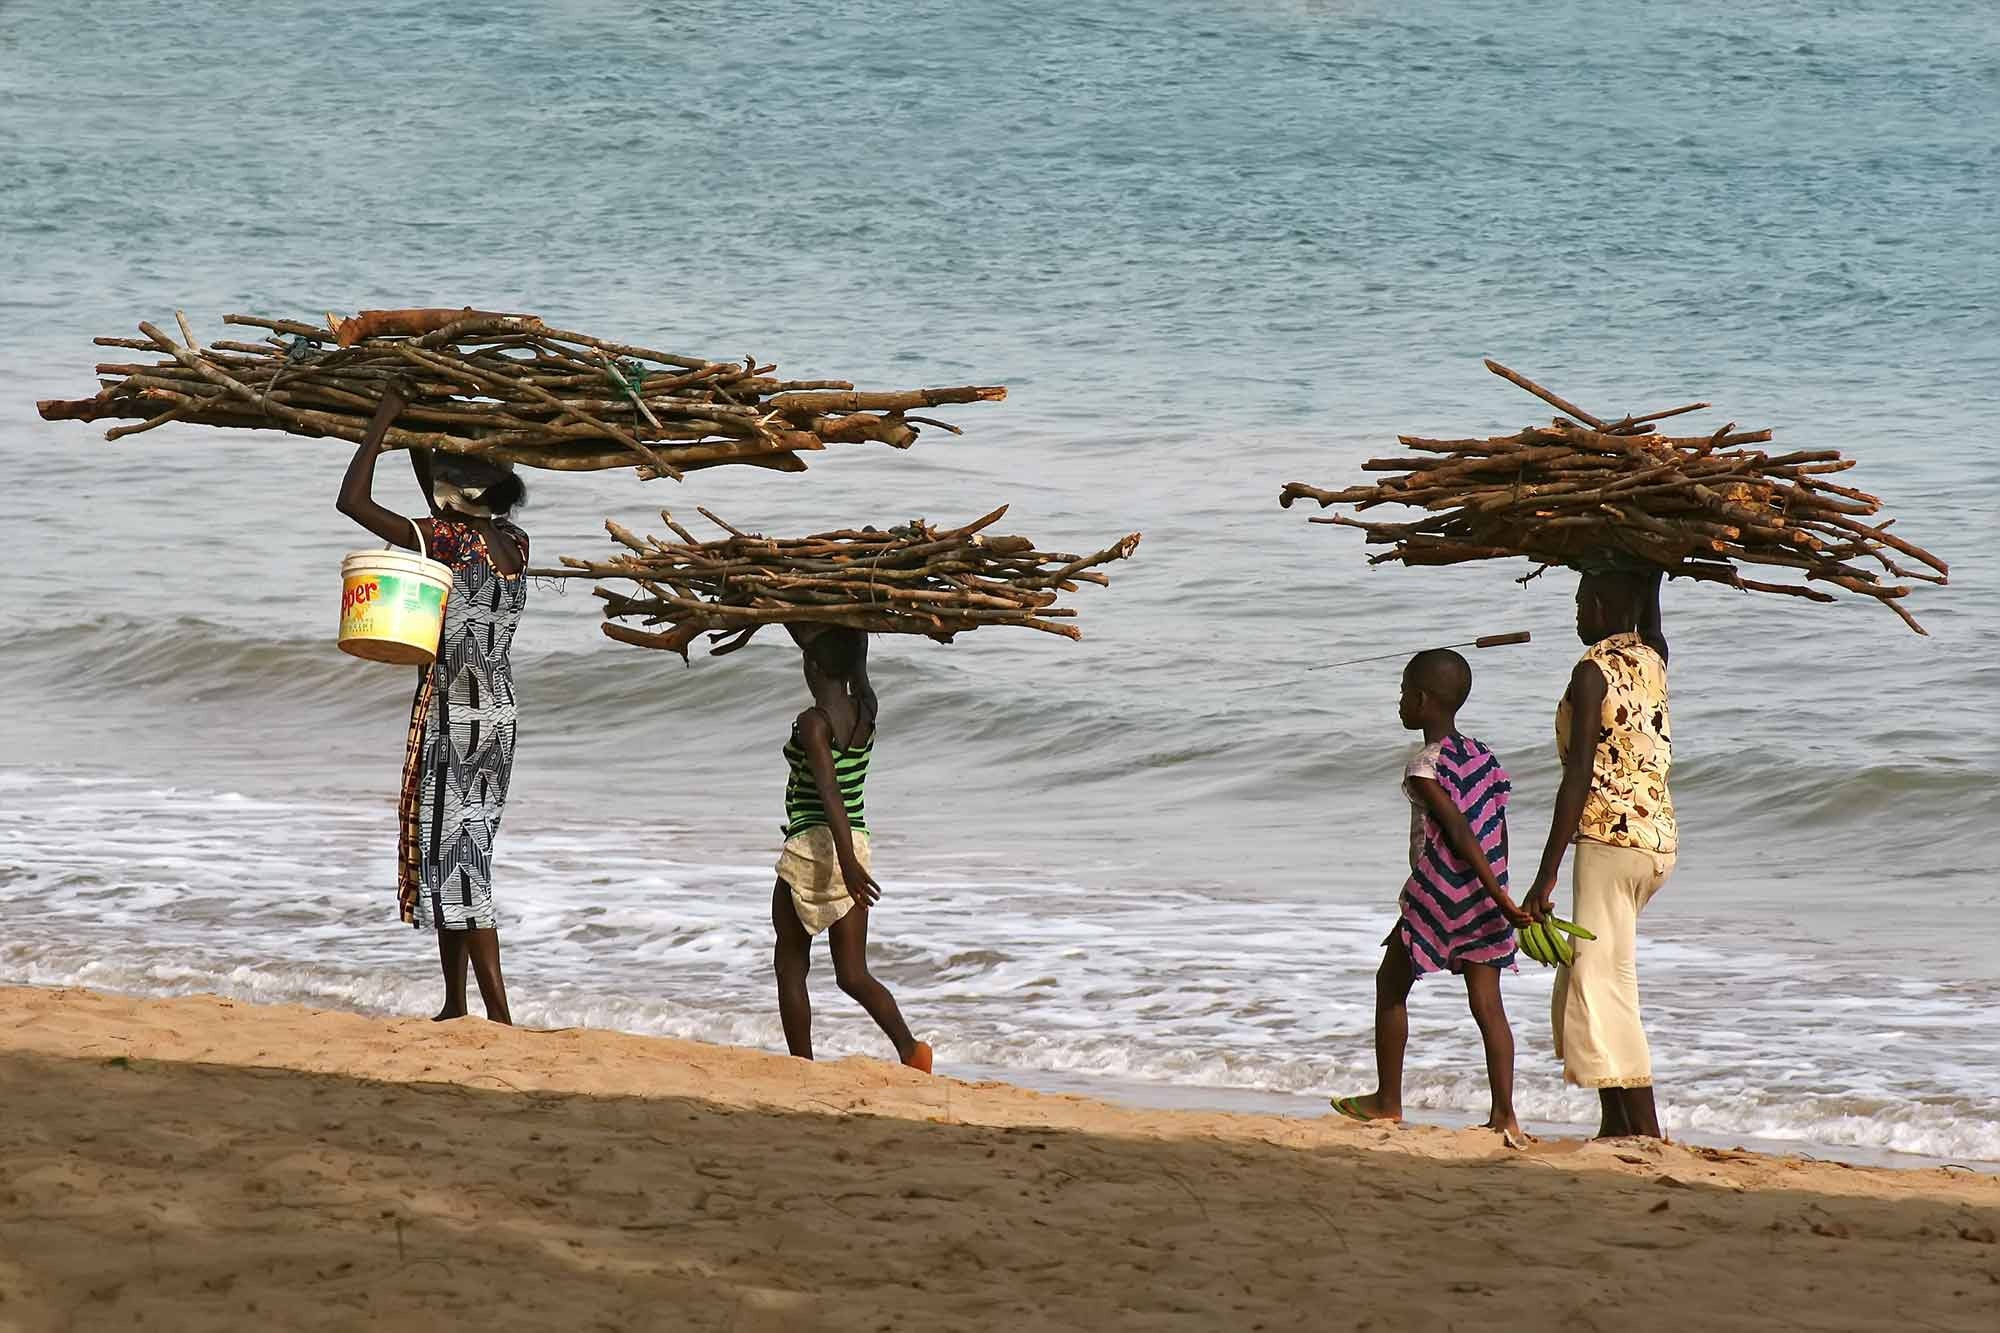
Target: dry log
1601,491
914,579
406,323
503,386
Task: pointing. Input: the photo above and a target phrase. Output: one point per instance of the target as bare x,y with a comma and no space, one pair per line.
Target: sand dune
203,1164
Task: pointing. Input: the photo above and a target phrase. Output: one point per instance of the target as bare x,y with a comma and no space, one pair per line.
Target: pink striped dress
1448,920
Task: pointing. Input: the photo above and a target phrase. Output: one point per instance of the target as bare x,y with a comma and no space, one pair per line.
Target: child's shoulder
1463,749
1423,763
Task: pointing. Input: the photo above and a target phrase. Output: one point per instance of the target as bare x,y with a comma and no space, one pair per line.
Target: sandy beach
199,1163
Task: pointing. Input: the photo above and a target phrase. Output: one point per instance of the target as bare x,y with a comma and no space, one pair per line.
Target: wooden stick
502,386
910,579
1560,404
1696,506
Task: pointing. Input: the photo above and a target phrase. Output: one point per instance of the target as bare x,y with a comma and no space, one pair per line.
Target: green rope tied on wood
629,377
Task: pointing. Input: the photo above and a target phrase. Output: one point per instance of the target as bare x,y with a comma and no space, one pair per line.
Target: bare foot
919,1057
446,1014
1510,1131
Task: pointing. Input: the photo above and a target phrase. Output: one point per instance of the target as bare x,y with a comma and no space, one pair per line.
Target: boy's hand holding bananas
1548,942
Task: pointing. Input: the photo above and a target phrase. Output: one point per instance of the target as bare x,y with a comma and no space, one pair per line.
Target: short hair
1442,674
839,651
1618,592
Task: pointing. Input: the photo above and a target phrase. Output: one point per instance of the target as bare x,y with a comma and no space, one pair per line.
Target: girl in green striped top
823,874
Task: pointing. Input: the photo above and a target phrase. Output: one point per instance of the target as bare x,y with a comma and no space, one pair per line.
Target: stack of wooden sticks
914,579
500,386
1587,491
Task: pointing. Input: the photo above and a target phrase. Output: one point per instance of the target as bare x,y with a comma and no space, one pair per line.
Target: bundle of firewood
1589,492
913,579
500,386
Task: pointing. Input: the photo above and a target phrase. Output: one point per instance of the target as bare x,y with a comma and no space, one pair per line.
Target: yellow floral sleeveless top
1628,805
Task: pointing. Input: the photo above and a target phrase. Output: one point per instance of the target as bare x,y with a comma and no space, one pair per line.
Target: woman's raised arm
357,499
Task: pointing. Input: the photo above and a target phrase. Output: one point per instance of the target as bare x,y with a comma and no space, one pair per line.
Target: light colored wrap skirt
810,867
1595,1007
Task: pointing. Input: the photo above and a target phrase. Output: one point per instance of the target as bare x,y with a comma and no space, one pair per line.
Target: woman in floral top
1614,735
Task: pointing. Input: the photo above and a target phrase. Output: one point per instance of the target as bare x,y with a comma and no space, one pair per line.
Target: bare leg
1641,1116
453,950
1611,1123
484,947
849,938
1392,1032
1482,992
791,960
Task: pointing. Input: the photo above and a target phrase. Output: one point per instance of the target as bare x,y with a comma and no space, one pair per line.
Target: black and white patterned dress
461,743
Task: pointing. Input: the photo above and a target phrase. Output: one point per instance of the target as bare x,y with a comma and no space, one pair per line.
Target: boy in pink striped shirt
1456,914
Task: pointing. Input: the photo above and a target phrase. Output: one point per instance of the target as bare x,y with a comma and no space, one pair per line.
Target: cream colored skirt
810,867
1595,1014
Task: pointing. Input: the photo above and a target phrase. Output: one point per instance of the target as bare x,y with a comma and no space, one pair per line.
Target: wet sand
200,1163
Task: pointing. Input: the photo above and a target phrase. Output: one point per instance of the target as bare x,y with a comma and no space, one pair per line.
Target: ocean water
1211,248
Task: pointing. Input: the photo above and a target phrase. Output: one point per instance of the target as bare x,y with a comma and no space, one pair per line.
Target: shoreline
1746,1057
1203,1098
1139,1094
199,1162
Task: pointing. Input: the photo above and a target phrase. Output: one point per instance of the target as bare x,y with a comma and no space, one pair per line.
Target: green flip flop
1346,1107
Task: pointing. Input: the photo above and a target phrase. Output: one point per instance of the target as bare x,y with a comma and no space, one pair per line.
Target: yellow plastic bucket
392,606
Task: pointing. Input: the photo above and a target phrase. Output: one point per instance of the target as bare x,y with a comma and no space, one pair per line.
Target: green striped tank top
850,770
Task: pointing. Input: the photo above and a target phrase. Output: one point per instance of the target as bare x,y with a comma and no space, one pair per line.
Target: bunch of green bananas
1546,942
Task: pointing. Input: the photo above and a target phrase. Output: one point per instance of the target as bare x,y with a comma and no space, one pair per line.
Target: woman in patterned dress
461,740
1614,737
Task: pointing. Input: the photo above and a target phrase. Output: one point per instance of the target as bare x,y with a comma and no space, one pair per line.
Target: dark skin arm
357,499
1451,822
1586,715
1650,632
420,463
818,739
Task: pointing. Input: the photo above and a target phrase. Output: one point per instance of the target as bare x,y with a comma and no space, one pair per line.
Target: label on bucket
387,605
